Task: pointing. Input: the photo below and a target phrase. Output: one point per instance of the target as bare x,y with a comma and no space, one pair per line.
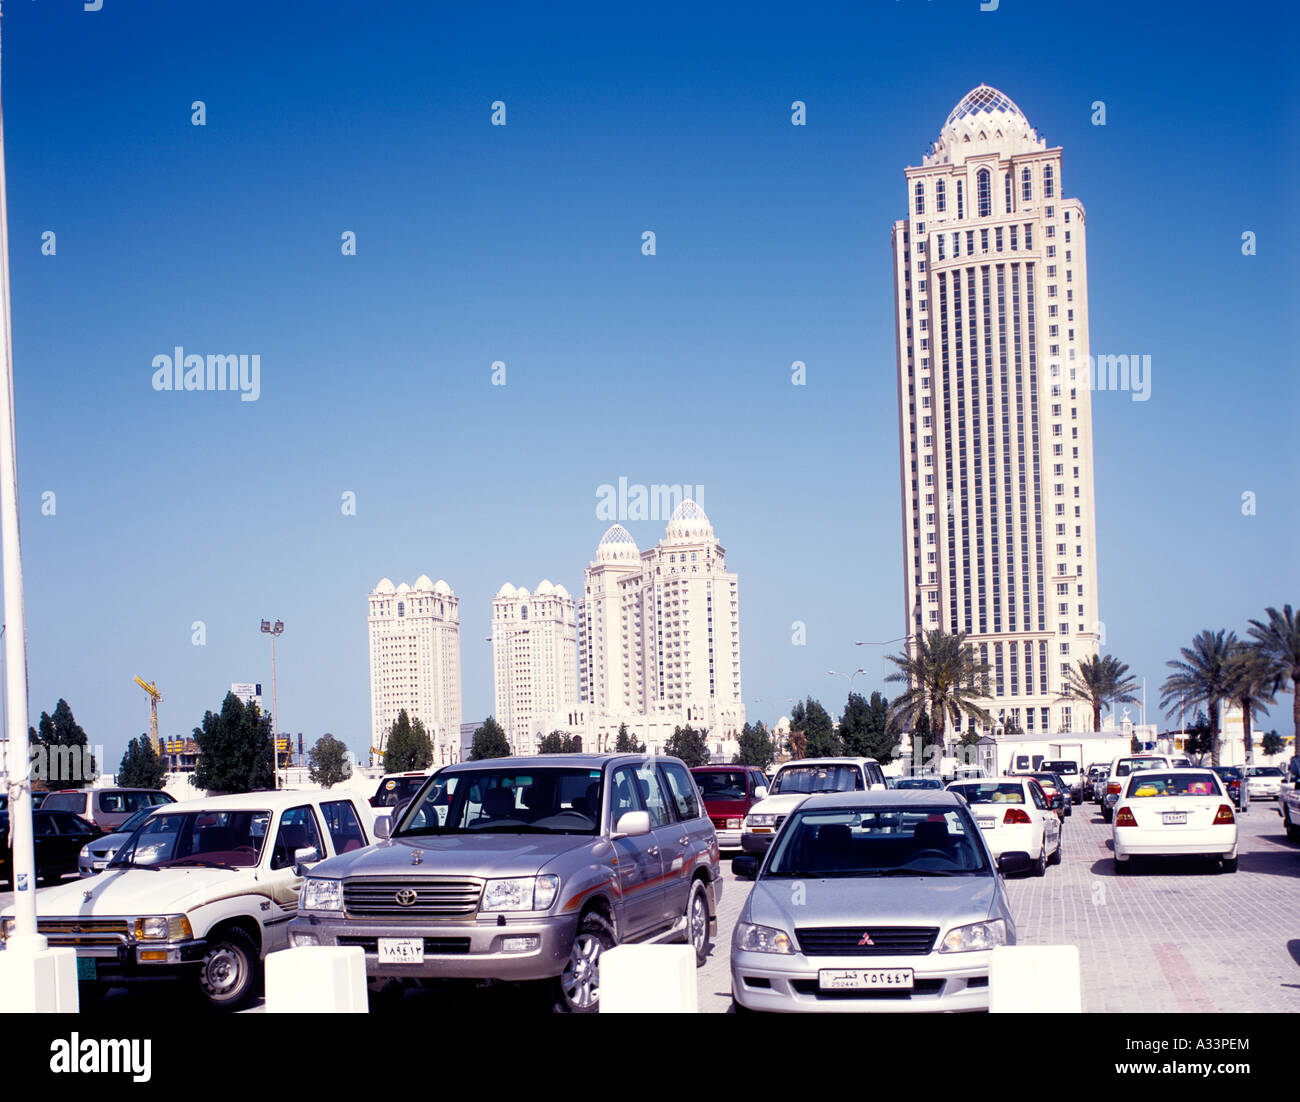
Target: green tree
234,749
408,746
140,766
945,680
626,743
327,762
865,729
1102,683
688,744
1201,679
754,746
1251,680
1198,738
814,722
557,742
1272,744
1012,725
62,758
489,742
1278,636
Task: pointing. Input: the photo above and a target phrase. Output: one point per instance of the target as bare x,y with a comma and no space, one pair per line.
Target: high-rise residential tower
534,660
415,662
995,415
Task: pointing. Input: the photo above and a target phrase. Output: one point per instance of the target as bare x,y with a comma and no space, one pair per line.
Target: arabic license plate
864,979
1174,818
987,824
87,968
98,866
401,950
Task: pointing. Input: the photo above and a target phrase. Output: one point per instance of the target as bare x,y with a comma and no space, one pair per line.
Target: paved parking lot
1171,937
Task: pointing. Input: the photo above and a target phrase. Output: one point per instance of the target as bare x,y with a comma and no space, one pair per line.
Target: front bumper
469,949
942,982
728,839
759,843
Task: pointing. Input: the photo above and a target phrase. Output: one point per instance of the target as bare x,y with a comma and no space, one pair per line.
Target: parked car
57,838
1120,768
729,791
1068,770
1230,776
1015,817
107,808
1264,782
201,891
900,908
904,784
795,782
537,866
1174,813
1058,792
96,854
1095,781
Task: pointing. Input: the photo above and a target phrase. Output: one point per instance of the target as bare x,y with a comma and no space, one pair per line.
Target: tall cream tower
995,416
415,662
534,660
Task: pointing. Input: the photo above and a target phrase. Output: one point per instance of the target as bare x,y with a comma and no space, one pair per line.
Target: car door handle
683,840
653,851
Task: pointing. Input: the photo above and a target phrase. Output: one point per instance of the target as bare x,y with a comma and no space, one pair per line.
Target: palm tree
1251,681
1103,682
1201,679
1279,638
945,680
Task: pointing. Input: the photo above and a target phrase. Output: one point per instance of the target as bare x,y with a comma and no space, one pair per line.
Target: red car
729,792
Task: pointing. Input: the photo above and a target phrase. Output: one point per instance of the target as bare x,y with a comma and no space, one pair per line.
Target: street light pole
274,629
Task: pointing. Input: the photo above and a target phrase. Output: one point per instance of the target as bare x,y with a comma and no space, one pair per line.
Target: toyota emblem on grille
866,939
406,897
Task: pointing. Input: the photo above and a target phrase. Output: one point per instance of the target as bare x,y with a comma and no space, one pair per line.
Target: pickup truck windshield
806,779
508,800
214,839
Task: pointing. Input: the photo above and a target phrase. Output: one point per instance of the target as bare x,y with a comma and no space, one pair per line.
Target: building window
1007,180
940,197
1049,182
920,197
960,213
1026,186
984,184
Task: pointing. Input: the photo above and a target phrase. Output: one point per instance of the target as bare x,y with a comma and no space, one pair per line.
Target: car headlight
733,824
520,893
163,928
975,937
762,939
760,820
321,895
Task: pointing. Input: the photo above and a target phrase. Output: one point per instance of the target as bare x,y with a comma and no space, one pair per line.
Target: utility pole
274,629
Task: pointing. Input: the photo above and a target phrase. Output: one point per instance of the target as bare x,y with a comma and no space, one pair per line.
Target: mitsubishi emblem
866,939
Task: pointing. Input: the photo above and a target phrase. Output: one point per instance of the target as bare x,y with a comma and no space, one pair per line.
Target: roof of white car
892,797
826,761
259,801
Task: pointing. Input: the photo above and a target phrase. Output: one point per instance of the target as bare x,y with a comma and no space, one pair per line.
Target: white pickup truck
202,891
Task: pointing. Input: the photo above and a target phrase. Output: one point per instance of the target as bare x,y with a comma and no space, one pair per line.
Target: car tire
1055,859
1292,831
577,988
697,922
230,972
1229,864
1039,867
1105,814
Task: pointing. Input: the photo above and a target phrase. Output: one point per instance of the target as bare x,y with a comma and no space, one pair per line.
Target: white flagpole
25,938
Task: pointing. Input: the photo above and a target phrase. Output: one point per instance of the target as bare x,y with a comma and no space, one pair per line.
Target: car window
905,840
343,826
65,801
652,795
991,792
113,803
1038,796
43,826
682,791
806,779
623,794
298,830
721,785
1155,783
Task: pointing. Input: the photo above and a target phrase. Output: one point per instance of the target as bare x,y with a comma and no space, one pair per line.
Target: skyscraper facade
415,662
534,660
995,415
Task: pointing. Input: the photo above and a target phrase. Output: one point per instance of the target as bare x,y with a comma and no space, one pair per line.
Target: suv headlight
321,895
163,928
520,893
760,820
762,939
975,937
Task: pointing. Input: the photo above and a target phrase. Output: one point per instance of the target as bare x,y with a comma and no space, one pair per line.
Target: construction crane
154,697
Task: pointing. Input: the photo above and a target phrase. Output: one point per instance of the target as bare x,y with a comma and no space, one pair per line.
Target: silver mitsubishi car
886,901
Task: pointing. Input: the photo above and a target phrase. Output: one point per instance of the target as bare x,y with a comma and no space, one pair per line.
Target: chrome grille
849,941
442,897
84,931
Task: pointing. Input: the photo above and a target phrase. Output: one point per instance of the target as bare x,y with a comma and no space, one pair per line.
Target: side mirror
632,824
304,858
744,867
1014,863
383,824
760,793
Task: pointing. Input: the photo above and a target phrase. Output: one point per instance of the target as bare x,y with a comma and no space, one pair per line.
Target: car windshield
1063,767
507,800
992,792
135,820
396,790
1155,783
716,785
807,779
1125,766
1266,771
918,782
214,839
900,840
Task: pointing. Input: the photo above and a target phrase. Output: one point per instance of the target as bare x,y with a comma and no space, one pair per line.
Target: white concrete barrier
1035,979
43,981
648,979
317,979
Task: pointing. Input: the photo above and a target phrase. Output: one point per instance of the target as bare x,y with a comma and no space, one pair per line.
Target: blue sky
522,244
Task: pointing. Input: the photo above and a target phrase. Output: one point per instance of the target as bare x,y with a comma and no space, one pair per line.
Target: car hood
485,855
119,892
778,805
893,901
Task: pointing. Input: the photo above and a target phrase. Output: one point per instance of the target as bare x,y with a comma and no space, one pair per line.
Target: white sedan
1015,818
1264,782
1174,813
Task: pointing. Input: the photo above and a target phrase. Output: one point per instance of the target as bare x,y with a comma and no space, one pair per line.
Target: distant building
534,660
415,662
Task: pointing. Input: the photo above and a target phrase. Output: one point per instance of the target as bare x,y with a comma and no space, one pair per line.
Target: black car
1054,779
57,839
1230,775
